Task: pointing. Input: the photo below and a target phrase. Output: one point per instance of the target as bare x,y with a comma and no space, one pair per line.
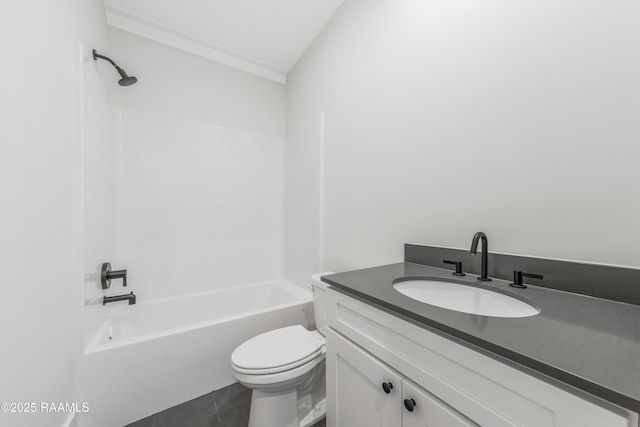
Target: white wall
40,189
302,195
444,118
196,161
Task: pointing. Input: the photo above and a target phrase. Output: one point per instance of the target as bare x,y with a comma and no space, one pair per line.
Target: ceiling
263,37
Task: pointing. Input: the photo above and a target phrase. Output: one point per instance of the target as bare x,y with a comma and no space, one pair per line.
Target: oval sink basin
465,298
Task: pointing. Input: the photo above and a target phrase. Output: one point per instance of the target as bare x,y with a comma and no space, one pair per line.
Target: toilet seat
276,351
279,380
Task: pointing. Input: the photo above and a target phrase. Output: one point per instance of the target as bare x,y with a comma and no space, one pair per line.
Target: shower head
126,80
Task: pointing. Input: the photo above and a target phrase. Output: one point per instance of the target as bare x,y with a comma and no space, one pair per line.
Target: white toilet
278,364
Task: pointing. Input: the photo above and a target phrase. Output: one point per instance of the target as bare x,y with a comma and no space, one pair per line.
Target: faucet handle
106,275
119,274
517,278
105,271
458,265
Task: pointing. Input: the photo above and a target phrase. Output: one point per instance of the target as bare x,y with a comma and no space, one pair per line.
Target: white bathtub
141,359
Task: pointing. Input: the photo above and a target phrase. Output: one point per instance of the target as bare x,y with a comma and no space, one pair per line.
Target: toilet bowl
279,365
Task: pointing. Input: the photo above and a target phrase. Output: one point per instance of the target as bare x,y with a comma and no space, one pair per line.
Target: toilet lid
280,348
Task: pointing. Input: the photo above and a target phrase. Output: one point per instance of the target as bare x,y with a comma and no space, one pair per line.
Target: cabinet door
361,390
422,409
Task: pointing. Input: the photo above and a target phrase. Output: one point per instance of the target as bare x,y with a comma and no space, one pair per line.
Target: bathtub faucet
106,275
127,297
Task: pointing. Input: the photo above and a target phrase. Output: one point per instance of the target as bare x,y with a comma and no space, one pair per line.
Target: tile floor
227,407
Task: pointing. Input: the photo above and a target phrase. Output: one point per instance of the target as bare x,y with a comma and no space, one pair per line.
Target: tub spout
127,297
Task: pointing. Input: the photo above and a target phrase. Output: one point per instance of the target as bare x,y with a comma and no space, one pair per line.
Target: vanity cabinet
370,393
421,409
446,383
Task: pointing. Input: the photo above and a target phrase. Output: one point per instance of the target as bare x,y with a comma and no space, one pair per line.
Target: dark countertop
590,343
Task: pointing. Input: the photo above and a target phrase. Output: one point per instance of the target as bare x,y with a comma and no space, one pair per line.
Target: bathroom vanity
394,361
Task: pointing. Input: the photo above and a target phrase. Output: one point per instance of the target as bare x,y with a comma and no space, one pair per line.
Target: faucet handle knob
517,278
458,265
119,274
106,275
105,271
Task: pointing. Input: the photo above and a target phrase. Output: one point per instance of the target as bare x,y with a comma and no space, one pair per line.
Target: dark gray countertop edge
580,383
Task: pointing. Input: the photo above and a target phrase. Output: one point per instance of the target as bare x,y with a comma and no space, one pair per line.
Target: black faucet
106,275
127,297
458,265
485,254
517,278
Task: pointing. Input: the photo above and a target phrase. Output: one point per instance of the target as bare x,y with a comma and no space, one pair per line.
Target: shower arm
96,55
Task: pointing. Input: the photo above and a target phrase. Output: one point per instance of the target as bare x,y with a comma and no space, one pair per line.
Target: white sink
465,298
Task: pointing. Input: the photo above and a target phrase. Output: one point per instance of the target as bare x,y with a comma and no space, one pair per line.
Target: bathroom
300,138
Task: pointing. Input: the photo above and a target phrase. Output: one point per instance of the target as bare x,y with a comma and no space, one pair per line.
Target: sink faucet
485,254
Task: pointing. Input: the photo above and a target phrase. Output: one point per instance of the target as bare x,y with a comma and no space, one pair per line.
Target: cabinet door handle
410,404
387,387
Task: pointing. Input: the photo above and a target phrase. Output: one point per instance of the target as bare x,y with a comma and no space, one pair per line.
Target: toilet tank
319,298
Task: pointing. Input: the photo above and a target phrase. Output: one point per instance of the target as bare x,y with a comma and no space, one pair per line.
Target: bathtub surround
98,175
443,118
197,205
194,175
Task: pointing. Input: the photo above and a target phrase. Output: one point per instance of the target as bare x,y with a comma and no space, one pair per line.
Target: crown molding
133,23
